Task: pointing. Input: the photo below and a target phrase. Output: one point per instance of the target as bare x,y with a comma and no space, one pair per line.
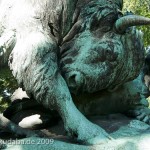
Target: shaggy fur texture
96,57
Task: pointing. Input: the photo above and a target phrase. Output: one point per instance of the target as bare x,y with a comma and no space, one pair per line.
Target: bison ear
119,4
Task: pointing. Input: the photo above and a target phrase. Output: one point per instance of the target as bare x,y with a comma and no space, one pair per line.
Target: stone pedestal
127,134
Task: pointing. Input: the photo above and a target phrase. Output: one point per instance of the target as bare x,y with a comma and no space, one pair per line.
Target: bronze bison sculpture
65,50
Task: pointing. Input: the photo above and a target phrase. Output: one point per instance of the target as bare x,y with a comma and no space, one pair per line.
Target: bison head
102,50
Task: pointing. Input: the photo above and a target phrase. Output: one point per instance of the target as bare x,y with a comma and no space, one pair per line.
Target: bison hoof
90,134
102,138
142,114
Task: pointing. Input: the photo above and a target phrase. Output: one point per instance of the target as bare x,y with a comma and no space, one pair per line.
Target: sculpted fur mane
65,48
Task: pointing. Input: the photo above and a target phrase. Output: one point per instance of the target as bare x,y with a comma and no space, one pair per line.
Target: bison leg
34,64
141,113
138,104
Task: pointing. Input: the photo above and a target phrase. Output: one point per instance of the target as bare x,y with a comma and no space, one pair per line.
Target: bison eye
101,27
106,28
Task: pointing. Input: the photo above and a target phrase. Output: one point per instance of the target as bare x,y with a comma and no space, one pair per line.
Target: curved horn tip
131,20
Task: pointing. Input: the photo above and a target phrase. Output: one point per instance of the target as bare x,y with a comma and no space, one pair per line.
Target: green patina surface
7,86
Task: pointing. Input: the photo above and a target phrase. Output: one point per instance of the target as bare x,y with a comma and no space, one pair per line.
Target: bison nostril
75,80
72,81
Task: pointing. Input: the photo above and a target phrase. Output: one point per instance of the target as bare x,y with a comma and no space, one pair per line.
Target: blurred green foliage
7,86
140,7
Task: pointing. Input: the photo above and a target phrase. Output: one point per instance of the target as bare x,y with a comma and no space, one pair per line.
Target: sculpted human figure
63,48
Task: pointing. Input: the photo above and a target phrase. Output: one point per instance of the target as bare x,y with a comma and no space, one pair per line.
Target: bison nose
75,81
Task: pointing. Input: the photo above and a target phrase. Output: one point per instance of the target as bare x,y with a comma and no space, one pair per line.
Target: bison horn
131,20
